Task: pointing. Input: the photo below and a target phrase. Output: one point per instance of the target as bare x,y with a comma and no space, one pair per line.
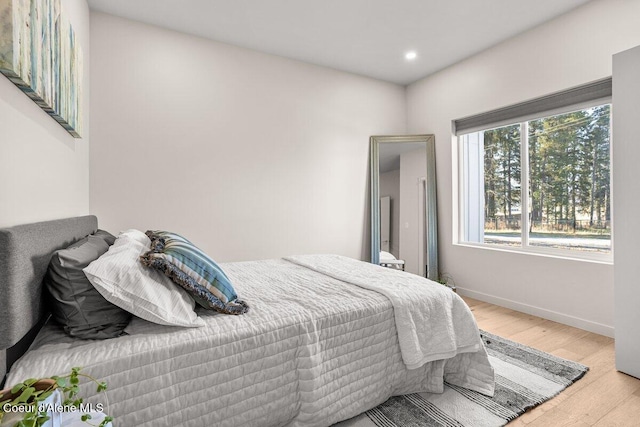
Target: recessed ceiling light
410,56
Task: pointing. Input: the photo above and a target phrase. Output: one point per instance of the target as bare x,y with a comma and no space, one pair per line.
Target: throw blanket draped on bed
433,323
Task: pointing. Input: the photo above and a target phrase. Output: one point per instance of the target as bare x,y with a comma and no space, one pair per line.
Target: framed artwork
39,53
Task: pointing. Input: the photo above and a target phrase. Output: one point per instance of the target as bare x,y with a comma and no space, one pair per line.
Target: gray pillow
75,304
106,236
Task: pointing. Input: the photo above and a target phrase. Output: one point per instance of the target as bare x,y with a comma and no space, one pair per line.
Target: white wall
45,171
626,152
390,186
249,155
571,50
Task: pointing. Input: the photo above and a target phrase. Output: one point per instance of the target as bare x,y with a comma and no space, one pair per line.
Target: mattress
312,351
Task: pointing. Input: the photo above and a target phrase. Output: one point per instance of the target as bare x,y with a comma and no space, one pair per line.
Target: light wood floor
603,397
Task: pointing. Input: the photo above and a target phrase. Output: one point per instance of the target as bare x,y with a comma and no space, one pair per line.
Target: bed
326,339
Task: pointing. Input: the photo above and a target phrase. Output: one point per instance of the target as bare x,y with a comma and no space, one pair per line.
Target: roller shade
597,90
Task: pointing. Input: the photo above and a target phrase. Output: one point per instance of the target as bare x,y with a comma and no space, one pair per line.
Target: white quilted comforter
313,350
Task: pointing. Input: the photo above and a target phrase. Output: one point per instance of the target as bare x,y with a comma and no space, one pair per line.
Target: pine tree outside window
541,183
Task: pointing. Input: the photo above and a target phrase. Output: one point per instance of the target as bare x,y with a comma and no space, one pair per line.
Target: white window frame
461,220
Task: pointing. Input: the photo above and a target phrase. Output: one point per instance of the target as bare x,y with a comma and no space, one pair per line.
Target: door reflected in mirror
404,226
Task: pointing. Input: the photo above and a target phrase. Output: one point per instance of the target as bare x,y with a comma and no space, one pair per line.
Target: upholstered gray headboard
25,252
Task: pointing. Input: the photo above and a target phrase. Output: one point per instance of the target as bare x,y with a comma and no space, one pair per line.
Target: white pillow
136,235
386,256
122,280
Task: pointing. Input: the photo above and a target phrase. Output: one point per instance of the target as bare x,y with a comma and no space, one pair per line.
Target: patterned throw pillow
194,271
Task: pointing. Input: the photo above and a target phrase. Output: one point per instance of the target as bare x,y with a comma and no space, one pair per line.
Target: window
542,184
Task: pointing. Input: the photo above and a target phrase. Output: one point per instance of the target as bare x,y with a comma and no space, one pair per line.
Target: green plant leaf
85,417
16,388
73,390
61,382
106,421
30,382
25,395
102,386
46,394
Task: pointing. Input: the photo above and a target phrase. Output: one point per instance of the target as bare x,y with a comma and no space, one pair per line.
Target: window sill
596,258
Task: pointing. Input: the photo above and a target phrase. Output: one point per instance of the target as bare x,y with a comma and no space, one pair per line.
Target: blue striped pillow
194,271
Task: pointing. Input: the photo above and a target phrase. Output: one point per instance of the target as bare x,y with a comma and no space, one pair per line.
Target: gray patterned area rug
525,378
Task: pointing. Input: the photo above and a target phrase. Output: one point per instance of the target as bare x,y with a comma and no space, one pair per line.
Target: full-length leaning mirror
404,226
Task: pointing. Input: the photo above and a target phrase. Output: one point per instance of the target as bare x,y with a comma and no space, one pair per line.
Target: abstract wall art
39,53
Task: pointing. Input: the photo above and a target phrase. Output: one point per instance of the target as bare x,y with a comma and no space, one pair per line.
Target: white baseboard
576,322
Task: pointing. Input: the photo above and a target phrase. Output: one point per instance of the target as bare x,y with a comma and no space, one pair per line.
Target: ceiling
366,37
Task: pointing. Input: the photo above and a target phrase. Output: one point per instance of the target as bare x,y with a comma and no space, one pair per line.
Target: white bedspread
313,350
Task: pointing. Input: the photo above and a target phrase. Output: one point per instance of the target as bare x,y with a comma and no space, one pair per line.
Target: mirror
404,226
